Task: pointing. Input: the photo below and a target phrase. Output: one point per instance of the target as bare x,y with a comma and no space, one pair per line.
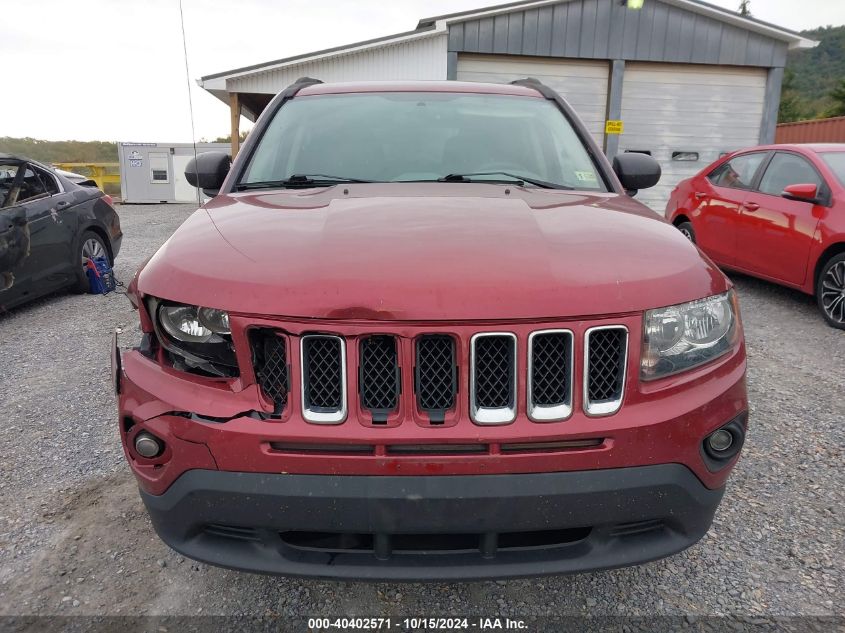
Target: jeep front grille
435,375
494,384
550,371
270,360
323,369
378,376
493,378
605,357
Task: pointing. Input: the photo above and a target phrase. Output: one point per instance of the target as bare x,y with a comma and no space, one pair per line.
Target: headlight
684,336
215,320
191,324
197,338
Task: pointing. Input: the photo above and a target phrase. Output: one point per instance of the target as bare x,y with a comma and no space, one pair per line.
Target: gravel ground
74,538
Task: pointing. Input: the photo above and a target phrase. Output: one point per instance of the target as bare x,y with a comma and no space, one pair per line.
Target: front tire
830,291
91,245
686,229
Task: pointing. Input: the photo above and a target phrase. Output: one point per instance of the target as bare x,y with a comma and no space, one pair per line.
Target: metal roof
439,24
321,53
795,39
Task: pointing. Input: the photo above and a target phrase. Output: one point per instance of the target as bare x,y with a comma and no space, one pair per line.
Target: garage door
582,82
683,112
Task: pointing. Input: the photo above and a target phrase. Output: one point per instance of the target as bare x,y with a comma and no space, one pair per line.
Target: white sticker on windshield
588,176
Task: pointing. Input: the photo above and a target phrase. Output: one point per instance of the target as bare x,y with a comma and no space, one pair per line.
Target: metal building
155,172
681,80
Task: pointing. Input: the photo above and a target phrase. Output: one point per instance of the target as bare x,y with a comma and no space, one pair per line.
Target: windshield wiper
298,180
517,180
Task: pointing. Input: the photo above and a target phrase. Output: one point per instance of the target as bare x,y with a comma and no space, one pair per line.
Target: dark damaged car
49,226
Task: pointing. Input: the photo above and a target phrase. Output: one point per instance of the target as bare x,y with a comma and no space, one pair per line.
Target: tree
745,8
792,106
228,138
60,151
838,96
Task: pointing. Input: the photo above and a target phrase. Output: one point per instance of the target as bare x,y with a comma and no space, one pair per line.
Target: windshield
392,137
836,162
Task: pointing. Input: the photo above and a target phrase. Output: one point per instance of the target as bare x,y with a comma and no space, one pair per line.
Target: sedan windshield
836,162
418,137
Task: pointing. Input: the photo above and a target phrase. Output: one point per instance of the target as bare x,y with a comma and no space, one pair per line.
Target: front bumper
433,527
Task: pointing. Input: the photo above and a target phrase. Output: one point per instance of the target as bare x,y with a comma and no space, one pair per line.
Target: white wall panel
422,58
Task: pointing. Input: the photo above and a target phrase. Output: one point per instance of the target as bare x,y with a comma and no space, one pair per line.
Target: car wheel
830,291
687,230
90,245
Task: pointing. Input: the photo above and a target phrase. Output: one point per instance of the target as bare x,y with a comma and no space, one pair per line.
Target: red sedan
776,212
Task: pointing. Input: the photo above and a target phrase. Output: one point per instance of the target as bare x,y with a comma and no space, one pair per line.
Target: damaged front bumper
222,424
235,488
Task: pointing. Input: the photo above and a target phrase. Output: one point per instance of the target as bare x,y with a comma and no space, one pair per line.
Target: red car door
774,233
720,195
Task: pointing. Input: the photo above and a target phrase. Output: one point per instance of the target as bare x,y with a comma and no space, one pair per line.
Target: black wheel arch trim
829,253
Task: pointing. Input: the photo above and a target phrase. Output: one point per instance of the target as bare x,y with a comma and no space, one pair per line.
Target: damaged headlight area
680,337
197,339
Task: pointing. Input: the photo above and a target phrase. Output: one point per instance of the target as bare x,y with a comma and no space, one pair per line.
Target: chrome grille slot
378,376
605,358
323,367
493,378
435,375
270,362
550,370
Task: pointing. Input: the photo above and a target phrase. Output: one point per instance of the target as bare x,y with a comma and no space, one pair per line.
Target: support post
771,104
451,65
235,113
614,105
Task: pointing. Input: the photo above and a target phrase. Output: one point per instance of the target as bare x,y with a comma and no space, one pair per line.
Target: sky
114,70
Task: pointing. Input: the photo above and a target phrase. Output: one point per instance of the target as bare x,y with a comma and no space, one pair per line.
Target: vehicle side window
31,187
48,181
8,172
737,173
788,169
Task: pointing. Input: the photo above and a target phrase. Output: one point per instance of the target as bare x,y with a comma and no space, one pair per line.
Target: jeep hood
431,251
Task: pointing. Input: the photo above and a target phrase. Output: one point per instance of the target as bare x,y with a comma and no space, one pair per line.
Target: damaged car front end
400,376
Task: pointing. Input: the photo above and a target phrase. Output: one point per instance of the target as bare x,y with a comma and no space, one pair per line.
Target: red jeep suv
422,331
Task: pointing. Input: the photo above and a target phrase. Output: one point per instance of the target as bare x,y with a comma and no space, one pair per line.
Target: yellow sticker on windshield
588,176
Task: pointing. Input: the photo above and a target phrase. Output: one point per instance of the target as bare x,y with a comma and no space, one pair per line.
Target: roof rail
520,82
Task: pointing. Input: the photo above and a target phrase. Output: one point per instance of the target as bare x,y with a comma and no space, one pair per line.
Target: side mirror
636,171
208,171
803,192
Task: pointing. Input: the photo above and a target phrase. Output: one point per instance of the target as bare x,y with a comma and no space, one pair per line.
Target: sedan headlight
684,336
198,338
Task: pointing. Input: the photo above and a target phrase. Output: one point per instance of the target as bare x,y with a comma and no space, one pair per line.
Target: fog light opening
721,440
147,445
721,446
